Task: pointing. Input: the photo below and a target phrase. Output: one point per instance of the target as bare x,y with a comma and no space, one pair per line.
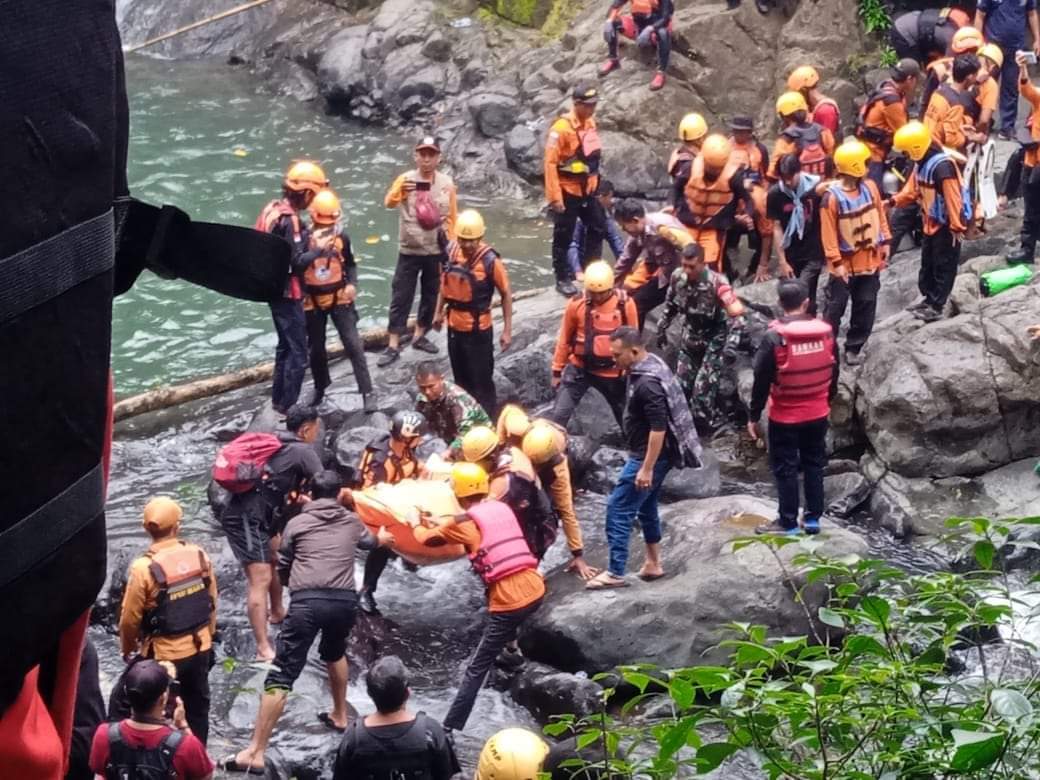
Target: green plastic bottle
995,282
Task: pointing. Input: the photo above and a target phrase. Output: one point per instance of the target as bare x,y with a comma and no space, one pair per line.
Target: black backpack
410,756
135,763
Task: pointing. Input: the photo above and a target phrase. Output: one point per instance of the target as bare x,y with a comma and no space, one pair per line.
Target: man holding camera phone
426,199
1004,23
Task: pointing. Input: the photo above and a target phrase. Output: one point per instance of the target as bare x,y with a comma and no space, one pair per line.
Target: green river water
187,119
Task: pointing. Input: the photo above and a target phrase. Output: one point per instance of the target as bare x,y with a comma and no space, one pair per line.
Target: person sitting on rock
576,251
813,143
498,549
316,562
468,282
855,236
822,110
330,290
692,132
393,741
582,357
649,24
660,435
752,156
426,202
935,185
252,520
449,410
388,458
712,326
545,444
796,371
172,571
651,254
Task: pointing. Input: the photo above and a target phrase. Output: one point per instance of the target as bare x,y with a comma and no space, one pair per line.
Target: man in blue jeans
1004,23
660,435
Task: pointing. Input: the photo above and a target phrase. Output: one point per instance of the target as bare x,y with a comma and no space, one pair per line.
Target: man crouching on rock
661,435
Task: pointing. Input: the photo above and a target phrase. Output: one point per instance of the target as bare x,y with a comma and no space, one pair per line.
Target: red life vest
503,549
804,369
462,289
325,275
265,223
644,7
592,335
184,604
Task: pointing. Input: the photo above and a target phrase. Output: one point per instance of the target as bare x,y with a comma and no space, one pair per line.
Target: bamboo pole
194,25
174,395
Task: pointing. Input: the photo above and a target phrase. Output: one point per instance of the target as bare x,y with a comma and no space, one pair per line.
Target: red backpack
239,466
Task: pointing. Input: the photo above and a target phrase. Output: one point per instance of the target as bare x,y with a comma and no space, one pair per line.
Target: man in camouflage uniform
713,321
449,410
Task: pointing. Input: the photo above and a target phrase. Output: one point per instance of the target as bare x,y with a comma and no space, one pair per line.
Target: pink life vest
804,368
503,548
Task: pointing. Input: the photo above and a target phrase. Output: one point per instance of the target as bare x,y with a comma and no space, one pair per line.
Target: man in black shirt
394,741
793,204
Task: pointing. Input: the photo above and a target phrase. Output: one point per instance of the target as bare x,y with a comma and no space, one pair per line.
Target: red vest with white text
804,367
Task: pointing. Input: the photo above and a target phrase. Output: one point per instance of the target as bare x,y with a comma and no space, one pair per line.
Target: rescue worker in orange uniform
715,199
987,85
822,109
572,160
936,186
855,243
330,290
885,112
281,217
582,358
952,110
967,40
651,254
692,132
388,458
813,144
649,24
752,155
172,571
468,284
1030,172
545,445
496,547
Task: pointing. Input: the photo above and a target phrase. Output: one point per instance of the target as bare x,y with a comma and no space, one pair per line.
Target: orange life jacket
462,289
644,7
379,453
859,224
866,128
586,159
184,604
326,274
707,200
752,157
591,340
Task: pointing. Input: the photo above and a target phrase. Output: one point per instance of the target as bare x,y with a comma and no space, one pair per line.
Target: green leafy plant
870,692
888,57
874,15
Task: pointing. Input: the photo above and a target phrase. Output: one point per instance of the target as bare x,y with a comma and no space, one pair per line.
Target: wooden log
207,387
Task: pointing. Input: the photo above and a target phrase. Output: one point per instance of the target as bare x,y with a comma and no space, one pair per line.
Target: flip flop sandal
230,764
605,581
327,721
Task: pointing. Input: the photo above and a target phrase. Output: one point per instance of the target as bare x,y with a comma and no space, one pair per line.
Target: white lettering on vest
807,347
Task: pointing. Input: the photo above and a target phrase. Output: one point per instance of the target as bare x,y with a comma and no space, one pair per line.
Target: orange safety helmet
966,39
803,77
324,209
716,150
305,175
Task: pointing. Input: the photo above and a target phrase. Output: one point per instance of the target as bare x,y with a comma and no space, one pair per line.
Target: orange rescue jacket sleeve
886,232
453,214
1032,94
780,148
954,203
395,195
568,326
909,193
827,139
553,192
631,312
132,612
829,231
213,594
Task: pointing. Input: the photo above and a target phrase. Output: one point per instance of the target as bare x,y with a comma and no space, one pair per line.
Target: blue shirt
1006,20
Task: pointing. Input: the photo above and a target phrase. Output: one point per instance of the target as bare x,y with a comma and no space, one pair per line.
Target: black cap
585,92
428,142
907,68
741,123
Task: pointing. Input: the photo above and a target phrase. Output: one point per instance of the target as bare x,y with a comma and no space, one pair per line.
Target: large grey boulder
494,112
341,75
679,620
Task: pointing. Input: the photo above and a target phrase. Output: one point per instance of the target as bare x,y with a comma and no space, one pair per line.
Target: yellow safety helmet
914,138
803,77
479,443
468,479
470,225
851,158
542,443
692,128
324,209
790,103
512,754
599,277
992,52
716,150
966,39
514,421
305,175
